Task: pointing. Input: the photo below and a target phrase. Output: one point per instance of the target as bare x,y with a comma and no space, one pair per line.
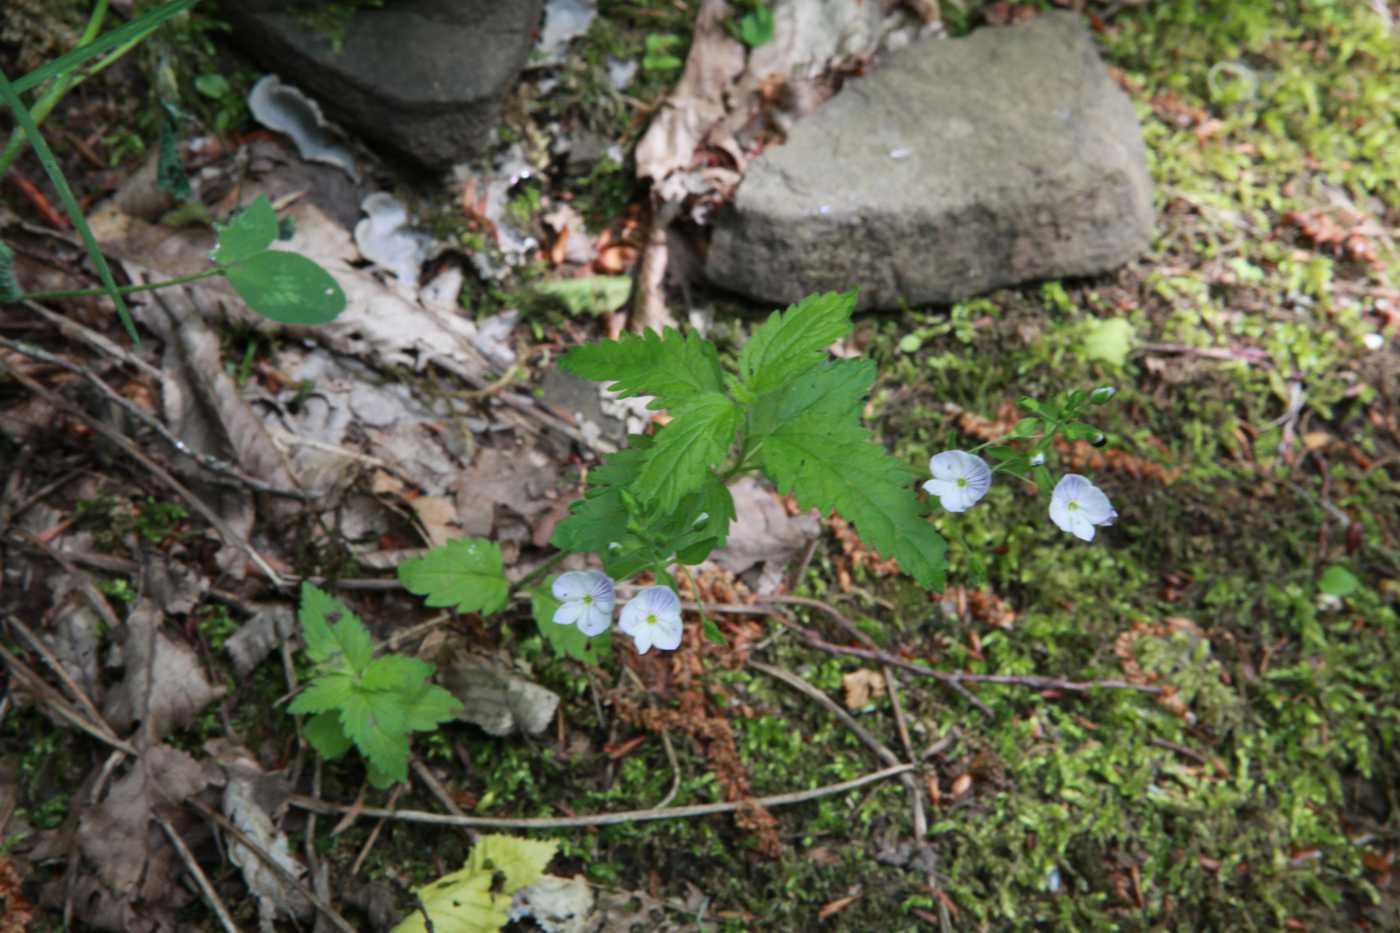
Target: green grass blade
133,30
65,194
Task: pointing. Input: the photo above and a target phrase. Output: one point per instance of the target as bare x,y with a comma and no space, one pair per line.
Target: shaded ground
1254,444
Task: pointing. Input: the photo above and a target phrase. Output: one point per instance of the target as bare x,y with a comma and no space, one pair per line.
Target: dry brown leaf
251,798
861,686
492,696
135,885
163,686
832,908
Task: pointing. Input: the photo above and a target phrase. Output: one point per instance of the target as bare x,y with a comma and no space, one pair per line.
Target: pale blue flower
653,619
586,600
1078,506
960,479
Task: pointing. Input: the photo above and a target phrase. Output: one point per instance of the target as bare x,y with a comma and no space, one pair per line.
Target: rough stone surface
956,167
424,78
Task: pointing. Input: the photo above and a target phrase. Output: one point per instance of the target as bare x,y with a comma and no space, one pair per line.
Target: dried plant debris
252,801
387,238
285,109
260,636
764,534
556,905
135,883
494,698
163,686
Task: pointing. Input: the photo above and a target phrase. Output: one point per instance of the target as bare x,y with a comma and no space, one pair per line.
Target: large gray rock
956,167
422,77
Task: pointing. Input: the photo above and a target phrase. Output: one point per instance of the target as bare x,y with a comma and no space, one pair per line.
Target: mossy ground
1257,443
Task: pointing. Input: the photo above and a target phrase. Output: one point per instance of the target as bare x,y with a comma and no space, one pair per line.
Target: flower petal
595,619
572,585
960,479
568,613
666,633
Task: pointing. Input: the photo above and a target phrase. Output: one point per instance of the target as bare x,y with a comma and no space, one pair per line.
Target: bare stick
847,720
211,463
210,895
1023,680
603,819
374,833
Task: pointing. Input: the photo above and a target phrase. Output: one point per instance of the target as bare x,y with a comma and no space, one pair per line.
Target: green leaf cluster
477,898
1061,415
357,699
790,412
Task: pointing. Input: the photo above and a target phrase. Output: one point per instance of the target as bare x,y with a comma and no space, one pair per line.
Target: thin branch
847,720
277,867
954,679
209,462
116,437
202,880
603,819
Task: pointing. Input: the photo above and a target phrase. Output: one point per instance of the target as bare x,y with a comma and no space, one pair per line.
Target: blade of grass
55,92
70,203
134,30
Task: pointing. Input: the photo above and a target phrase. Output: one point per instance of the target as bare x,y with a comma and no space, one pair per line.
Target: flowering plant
790,412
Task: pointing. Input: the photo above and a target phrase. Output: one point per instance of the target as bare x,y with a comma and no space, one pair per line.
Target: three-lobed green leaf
466,574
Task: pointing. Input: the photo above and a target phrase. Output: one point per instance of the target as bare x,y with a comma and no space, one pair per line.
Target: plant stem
122,289
549,564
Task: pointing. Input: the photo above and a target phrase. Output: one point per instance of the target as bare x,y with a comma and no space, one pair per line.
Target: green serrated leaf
671,367
375,722
429,706
287,288
247,233
332,631
466,574
697,439
396,672
522,861
793,341
566,640
836,466
324,733
326,692
833,391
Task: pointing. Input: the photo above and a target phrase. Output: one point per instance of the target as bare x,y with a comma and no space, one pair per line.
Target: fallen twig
287,877
117,438
602,819
211,463
1023,680
211,897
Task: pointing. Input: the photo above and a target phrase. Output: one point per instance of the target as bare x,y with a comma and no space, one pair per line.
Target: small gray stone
956,167
424,78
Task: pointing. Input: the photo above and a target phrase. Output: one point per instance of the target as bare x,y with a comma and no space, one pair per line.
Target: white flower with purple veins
653,619
960,479
586,600
1078,506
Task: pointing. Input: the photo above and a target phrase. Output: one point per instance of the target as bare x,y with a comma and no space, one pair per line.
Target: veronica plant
788,412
